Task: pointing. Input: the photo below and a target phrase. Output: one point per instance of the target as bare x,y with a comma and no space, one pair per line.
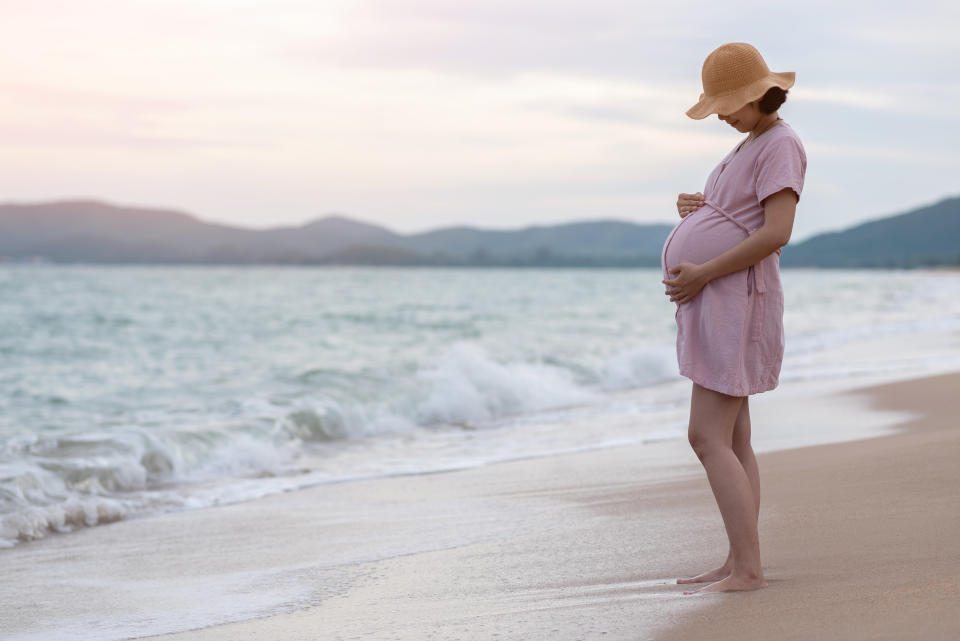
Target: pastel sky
418,114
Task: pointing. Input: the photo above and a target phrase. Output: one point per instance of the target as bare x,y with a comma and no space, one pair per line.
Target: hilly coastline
88,231
925,237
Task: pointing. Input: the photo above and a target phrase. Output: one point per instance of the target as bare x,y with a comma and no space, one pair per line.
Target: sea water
132,390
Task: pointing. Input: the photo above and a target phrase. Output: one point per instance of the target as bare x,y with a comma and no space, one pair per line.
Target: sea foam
126,391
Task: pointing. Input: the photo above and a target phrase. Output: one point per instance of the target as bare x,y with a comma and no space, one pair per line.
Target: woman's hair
772,100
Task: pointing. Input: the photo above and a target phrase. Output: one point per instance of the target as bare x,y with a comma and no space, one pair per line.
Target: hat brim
730,102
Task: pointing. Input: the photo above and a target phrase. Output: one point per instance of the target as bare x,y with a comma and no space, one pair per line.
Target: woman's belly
701,236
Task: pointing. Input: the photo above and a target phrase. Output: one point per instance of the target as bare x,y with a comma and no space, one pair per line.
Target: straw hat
733,75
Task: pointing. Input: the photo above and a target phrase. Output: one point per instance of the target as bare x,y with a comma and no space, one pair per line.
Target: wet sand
859,541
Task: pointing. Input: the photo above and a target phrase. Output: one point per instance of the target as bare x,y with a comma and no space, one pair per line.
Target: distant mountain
87,231
596,240
928,236
328,235
92,231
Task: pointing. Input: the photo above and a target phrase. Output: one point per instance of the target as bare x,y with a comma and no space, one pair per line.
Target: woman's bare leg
712,419
744,451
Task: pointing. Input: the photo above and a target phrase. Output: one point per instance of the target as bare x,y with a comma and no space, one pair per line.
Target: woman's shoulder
781,139
782,132
780,163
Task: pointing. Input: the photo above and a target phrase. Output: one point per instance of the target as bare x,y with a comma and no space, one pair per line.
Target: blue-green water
125,390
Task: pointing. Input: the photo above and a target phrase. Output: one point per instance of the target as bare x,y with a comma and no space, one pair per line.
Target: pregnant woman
721,266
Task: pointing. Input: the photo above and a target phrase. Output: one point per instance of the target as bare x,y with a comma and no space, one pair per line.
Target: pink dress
730,335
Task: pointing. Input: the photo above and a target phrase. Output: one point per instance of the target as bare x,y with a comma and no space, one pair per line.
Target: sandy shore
860,541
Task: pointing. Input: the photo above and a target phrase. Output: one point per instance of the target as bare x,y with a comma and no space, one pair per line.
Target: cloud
72,117
883,153
865,98
428,112
73,137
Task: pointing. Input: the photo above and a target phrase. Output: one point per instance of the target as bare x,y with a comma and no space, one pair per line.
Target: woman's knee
703,443
712,419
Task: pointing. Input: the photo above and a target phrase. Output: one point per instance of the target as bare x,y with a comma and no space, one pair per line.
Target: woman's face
745,118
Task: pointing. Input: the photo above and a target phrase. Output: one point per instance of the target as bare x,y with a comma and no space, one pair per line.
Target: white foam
468,386
352,410
37,521
640,366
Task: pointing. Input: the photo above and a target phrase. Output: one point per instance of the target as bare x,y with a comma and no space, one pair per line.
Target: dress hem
729,392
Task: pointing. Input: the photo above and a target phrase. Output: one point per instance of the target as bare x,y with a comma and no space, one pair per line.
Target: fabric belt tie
755,274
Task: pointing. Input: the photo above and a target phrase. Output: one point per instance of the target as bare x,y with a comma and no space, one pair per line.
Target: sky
419,114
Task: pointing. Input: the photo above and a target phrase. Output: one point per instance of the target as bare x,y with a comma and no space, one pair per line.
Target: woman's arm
778,214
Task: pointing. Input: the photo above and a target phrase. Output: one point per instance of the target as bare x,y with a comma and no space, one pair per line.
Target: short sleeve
780,165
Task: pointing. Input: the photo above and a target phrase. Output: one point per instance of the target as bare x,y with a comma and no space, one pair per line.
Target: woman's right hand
687,203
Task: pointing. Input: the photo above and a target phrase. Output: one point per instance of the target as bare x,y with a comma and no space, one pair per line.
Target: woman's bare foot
734,583
709,577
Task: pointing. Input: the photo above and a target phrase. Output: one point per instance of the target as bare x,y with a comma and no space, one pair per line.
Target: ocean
134,390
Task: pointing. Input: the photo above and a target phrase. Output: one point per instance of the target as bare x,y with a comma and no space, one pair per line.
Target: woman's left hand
688,279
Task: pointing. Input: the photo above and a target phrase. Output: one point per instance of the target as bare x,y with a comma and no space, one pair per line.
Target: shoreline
569,546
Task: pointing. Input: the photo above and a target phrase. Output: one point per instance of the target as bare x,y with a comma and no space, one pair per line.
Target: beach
858,541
